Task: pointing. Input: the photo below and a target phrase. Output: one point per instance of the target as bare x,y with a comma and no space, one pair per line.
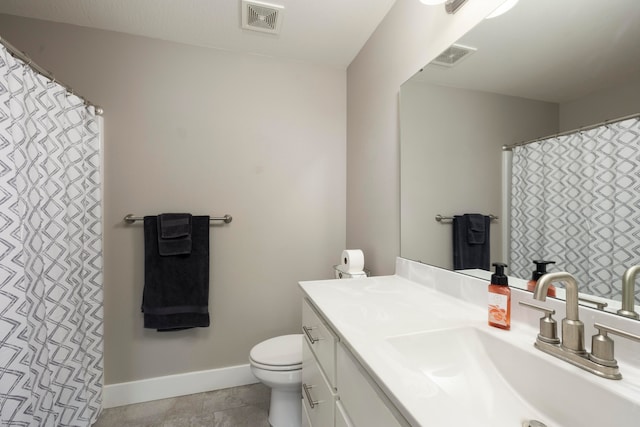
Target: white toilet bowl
277,363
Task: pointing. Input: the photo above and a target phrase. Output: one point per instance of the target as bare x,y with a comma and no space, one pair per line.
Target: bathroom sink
468,376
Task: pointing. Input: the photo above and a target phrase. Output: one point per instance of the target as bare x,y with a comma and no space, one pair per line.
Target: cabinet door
317,396
342,419
306,422
363,401
322,341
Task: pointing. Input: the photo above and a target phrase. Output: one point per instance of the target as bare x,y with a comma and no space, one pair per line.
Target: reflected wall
451,163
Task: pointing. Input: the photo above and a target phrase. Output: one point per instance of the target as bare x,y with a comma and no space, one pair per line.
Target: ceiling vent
454,54
263,17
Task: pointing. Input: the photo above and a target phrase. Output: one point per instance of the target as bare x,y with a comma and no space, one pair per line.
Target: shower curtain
576,200
51,364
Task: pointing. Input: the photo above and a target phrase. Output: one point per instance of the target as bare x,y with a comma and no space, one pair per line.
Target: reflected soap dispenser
541,270
499,298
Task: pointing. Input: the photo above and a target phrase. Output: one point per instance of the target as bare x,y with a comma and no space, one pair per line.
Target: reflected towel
475,229
468,230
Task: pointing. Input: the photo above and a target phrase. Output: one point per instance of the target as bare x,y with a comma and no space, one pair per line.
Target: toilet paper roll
352,261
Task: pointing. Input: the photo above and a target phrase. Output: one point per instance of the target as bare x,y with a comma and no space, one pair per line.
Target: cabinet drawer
361,397
342,420
321,340
317,396
306,422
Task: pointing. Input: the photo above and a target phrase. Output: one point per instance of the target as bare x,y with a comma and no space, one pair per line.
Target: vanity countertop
369,314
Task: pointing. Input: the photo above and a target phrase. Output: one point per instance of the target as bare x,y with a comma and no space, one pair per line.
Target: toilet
277,363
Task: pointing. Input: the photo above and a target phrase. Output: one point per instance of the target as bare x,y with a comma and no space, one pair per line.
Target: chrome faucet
572,327
628,293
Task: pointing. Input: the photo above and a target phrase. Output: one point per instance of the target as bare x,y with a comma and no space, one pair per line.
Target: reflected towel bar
441,218
130,218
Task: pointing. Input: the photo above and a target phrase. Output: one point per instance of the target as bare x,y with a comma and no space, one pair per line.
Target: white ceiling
549,50
329,32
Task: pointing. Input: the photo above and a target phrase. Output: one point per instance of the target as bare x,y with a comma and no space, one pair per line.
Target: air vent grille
454,54
263,17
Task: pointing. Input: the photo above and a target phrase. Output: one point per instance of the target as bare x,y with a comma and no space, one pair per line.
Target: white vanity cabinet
363,401
336,390
342,419
318,369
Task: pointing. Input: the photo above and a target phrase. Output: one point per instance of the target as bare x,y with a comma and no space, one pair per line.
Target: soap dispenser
499,298
541,270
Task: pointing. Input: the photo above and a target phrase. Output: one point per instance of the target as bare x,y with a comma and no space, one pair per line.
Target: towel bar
441,218
130,218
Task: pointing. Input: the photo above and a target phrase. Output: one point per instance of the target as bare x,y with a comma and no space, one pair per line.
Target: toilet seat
276,367
283,353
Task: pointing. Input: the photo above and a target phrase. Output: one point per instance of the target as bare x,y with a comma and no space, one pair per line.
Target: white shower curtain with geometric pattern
575,200
51,363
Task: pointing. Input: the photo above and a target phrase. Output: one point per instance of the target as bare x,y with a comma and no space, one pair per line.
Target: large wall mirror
542,68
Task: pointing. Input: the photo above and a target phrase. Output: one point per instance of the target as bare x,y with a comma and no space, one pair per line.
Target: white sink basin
479,378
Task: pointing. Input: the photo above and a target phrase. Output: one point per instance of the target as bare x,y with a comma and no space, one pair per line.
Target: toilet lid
285,350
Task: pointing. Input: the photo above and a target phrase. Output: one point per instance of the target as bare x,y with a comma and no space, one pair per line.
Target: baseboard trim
176,385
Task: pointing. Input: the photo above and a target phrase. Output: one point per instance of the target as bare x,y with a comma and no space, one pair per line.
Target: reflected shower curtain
576,200
51,361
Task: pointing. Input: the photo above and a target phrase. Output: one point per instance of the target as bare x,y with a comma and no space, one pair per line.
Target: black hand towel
475,229
174,234
471,241
176,288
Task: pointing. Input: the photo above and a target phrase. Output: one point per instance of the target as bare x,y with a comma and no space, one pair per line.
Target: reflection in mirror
543,68
574,199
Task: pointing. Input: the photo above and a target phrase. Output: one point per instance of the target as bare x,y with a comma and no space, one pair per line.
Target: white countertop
367,312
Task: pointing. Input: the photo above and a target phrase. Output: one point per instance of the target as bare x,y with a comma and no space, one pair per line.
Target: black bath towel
176,288
471,241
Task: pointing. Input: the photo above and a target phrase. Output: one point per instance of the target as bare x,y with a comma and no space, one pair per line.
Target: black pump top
498,278
541,269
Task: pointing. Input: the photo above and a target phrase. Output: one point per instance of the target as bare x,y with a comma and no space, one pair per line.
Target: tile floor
245,406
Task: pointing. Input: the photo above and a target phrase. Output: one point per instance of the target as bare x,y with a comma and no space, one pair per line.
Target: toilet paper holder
339,274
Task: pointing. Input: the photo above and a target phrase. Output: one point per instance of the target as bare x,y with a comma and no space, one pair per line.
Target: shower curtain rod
606,122
28,61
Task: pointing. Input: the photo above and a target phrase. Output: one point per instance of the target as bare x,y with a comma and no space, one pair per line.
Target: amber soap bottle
499,298
541,270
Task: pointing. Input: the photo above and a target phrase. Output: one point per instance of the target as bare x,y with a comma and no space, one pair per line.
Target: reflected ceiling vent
453,55
263,17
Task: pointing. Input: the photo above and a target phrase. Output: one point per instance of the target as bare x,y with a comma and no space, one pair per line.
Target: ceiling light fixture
503,8
451,6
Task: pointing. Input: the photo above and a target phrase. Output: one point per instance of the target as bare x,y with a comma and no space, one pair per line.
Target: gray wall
409,37
208,132
609,103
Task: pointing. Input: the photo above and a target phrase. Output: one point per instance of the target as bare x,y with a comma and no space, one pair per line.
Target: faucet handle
600,305
548,326
602,345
